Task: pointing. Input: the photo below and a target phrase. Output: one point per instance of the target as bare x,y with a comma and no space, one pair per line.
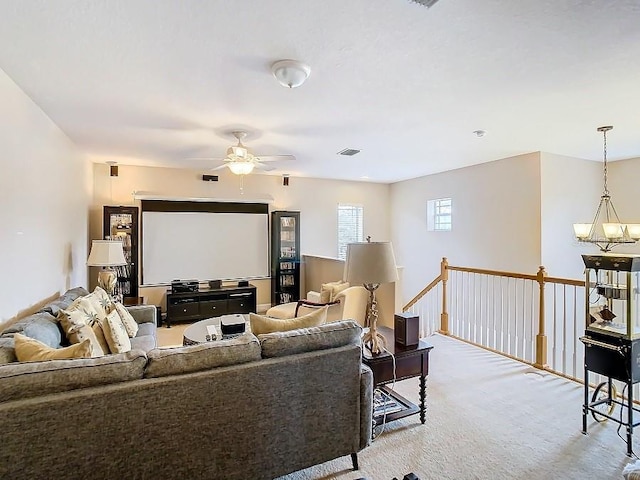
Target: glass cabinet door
121,223
285,258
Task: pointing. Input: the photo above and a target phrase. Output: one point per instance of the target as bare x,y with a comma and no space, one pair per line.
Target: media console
207,303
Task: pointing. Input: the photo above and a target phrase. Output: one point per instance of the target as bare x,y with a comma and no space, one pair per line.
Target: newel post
541,337
444,316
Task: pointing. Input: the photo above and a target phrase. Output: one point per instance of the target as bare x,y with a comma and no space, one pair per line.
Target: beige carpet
171,337
491,418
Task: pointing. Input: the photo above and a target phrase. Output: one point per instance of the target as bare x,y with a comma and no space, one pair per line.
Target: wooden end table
411,362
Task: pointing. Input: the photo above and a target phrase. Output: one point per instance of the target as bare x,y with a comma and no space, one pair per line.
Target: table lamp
106,254
371,263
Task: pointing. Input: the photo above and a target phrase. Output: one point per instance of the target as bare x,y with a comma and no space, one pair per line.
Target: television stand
209,302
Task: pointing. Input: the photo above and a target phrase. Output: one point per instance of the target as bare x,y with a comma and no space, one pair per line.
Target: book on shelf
287,280
287,235
287,221
285,297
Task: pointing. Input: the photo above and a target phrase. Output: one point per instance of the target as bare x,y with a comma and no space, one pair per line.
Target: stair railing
535,319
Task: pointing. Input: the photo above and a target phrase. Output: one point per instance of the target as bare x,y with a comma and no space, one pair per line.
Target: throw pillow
31,350
115,333
99,333
86,332
128,321
332,289
261,324
101,302
80,313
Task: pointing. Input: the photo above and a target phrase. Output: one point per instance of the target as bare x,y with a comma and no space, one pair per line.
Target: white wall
623,179
45,191
496,220
316,199
570,192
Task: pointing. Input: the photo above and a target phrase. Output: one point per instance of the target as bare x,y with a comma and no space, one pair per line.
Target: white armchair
349,304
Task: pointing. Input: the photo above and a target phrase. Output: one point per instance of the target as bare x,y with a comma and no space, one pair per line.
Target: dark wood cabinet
121,223
194,306
285,257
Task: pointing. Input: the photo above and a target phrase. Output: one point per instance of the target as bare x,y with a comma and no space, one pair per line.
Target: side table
412,361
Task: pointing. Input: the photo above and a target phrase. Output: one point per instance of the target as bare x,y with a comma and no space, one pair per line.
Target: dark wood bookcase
285,257
121,223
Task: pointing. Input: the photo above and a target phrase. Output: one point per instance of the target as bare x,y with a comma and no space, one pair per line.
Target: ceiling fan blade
275,158
263,167
205,158
219,167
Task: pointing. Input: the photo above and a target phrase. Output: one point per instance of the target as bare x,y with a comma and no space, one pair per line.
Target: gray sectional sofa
251,407
44,326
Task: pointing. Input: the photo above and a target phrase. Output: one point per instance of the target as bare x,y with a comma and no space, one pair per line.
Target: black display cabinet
121,223
612,338
285,257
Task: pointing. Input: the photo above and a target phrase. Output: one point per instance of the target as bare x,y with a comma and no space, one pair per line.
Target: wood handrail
564,281
422,293
496,273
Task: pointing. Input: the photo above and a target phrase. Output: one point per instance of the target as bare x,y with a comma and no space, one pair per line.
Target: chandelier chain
606,190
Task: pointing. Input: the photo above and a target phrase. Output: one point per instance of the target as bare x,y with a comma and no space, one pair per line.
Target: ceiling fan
241,161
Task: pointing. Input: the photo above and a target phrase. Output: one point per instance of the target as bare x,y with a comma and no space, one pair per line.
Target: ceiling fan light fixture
290,73
241,168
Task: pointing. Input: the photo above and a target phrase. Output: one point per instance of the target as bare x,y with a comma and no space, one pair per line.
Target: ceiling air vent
350,152
426,3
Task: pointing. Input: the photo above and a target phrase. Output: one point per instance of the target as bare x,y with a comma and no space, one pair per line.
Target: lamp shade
106,253
370,262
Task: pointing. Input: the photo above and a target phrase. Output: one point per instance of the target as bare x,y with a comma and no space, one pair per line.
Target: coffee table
410,362
197,333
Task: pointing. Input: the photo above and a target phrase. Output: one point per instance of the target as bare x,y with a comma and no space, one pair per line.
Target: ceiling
156,82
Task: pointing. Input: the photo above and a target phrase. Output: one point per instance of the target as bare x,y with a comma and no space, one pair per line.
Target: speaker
210,178
215,284
406,328
243,283
285,180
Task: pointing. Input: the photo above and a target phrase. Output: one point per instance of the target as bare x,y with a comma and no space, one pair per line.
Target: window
350,228
439,215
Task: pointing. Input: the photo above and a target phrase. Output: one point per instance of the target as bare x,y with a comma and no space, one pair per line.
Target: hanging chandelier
606,230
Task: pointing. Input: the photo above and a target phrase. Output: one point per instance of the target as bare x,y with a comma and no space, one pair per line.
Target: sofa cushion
193,358
261,324
143,342
7,352
64,301
127,320
31,350
329,335
32,379
42,326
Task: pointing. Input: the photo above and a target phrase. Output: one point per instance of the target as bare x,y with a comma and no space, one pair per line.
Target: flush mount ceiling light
290,73
606,230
